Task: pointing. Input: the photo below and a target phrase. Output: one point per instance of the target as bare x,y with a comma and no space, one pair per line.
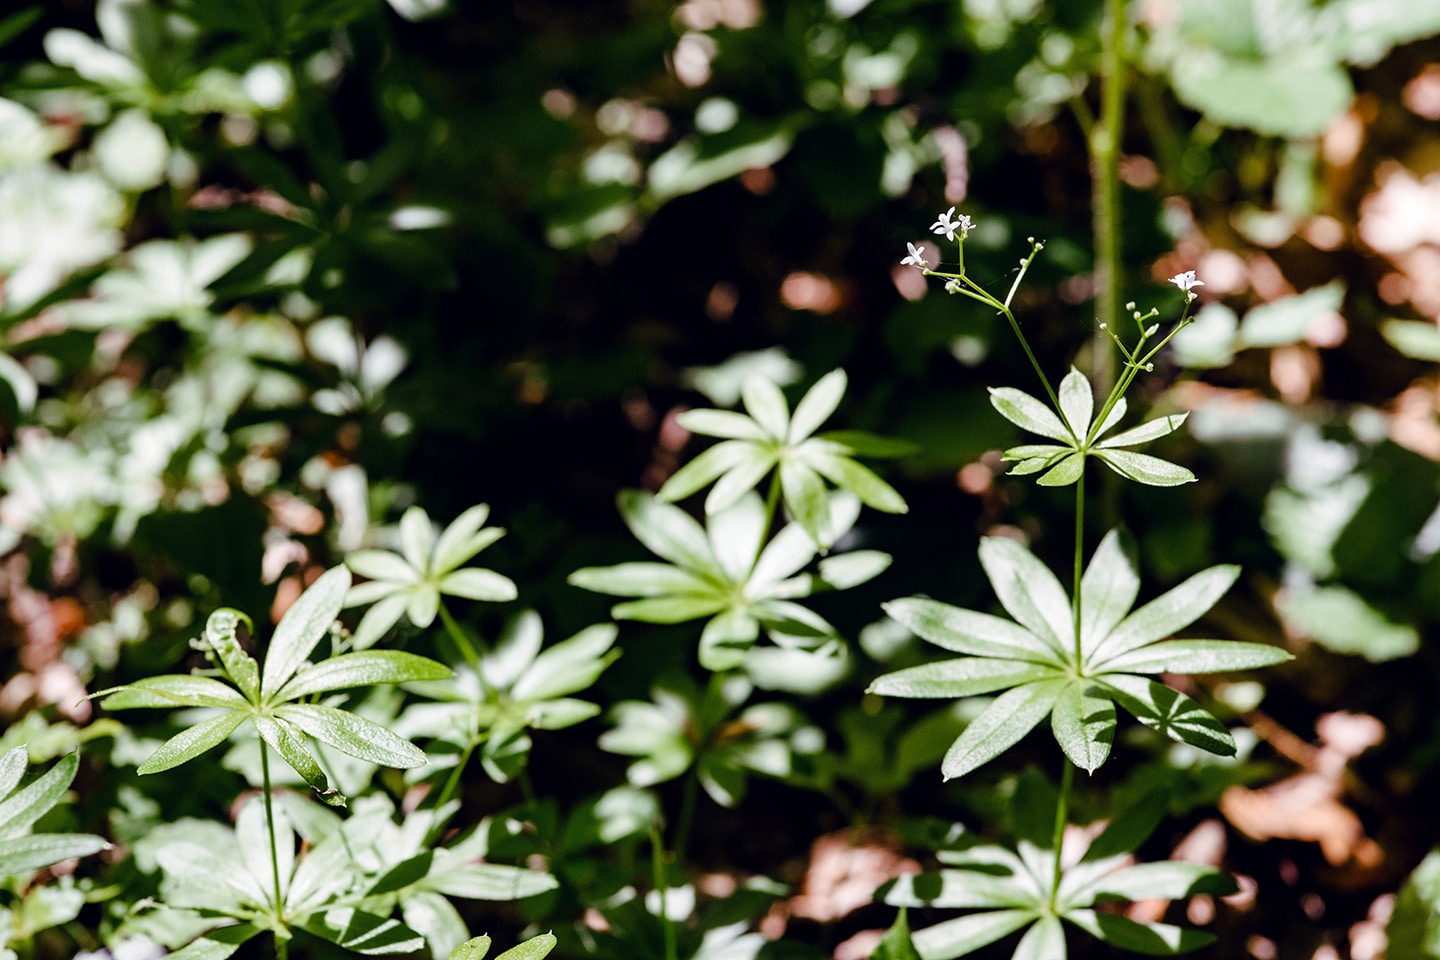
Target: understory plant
1071,655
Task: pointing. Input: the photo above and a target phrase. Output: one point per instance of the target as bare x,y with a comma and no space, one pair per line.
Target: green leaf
1129,828
303,626
896,943
1012,715
740,480
766,404
220,634
1077,403
487,881
12,768
473,583
968,677
1043,941
967,631
1064,473
364,669
417,539
1288,320
293,751
816,406
846,570
1030,414
570,665
1143,468
1414,927
725,640
536,948
464,537
639,579
188,744
21,855
1029,591
1084,725
172,690
379,619
1171,611
1340,620
735,534
1171,713
666,531
382,565
362,932
859,480
1419,339
1197,656
1155,939
1153,430
669,609
17,812
807,500
352,734
955,890
217,944
711,464
721,423
1108,588
474,949
858,443
956,938
1296,94
1167,880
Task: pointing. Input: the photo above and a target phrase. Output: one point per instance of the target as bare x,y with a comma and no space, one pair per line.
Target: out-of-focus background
274,270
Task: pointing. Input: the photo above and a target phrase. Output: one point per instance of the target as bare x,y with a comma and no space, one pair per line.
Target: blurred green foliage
277,271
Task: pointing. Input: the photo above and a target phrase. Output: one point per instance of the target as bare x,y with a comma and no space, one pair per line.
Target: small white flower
1186,280
948,223
916,258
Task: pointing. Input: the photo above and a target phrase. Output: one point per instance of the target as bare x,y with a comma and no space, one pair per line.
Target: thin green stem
452,784
772,503
467,649
1062,813
657,869
282,945
1079,560
1105,137
685,822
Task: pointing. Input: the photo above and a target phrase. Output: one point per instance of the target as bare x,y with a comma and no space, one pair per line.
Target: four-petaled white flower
1185,281
948,223
916,258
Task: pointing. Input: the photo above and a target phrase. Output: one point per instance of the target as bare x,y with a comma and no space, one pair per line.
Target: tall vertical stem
282,945
1078,570
1062,813
657,868
1105,139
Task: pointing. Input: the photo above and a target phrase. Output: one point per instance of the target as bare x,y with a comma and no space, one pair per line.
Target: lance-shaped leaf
1172,713
1012,715
220,634
352,734
292,750
956,938
193,741
303,626
174,690
363,933
20,809
364,669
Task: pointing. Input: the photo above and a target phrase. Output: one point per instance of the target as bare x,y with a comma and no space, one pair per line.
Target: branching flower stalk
1070,655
